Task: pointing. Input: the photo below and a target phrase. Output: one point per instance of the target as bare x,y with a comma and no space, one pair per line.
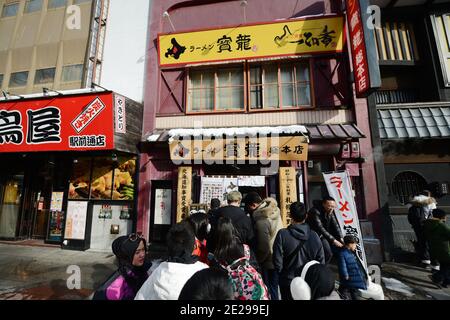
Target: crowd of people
234,254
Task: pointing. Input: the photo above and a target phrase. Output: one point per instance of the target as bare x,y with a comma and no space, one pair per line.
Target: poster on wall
229,184
340,188
212,188
57,201
163,206
76,220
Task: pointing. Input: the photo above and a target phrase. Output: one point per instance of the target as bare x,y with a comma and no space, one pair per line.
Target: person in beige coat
267,218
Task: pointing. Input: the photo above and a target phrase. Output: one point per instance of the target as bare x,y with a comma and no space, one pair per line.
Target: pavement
41,273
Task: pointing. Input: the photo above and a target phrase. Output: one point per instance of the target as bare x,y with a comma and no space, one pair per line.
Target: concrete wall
123,66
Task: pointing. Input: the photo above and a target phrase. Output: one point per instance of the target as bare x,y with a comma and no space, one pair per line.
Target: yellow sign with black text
286,38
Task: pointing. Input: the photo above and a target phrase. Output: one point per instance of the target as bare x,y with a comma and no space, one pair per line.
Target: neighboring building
413,105
38,50
241,94
75,185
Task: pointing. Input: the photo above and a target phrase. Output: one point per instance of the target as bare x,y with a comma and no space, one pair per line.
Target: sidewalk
40,273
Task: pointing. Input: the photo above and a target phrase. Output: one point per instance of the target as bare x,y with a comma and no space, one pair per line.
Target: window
441,28
44,76
274,86
18,79
406,185
1,80
56,3
33,6
80,1
10,10
216,90
72,73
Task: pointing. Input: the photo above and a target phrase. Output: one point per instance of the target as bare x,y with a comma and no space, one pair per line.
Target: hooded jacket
420,210
286,242
268,222
438,235
166,281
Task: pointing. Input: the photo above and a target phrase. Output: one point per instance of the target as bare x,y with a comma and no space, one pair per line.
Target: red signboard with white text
61,123
365,62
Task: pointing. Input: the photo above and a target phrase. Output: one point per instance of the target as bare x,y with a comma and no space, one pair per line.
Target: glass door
11,188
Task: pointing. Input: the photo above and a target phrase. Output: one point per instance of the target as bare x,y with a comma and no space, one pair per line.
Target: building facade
413,106
302,94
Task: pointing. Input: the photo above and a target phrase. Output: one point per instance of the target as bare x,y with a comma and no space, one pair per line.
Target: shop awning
314,132
414,122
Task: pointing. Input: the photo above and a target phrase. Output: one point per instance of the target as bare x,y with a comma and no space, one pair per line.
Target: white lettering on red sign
357,39
354,21
87,115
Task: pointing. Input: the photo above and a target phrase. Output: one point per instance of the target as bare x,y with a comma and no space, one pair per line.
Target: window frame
71,81
280,107
41,69
31,12
247,87
9,5
26,84
215,70
56,8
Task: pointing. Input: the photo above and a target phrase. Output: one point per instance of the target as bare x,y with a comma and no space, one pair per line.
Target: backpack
246,281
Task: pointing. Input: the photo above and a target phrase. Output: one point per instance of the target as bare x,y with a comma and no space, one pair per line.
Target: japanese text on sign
339,187
290,37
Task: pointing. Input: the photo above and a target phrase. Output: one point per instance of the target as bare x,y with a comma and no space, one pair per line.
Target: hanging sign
288,192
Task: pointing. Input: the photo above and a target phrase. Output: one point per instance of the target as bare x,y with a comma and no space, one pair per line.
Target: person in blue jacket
351,271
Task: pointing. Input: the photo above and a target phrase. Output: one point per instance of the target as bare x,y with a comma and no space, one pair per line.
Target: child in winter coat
352,273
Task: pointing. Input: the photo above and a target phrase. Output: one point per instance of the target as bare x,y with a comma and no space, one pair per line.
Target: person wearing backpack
294,246
235,257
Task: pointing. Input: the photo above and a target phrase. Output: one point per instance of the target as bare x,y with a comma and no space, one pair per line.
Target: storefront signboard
316,35
184,193
62,123
267,149
288,192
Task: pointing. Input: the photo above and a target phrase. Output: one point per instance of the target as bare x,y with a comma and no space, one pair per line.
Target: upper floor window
44,76
1,80
10,10
33,6
56,3
280,86
72,73
441,28
18,79
261,87
216,90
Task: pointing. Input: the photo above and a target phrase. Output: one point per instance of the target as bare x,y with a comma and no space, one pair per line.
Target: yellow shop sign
286,38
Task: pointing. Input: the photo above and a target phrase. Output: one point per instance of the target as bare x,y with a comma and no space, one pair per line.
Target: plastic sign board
284,38
364,57
63,123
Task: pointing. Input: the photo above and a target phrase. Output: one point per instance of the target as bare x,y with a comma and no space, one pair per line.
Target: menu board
76,220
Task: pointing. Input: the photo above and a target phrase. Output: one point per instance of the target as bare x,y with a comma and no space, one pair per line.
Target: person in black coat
293,247
322,220
239,219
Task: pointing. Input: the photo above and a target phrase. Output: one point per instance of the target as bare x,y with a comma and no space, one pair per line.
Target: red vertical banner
366,72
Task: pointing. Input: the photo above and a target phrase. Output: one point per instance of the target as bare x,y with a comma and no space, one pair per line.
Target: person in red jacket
199,224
